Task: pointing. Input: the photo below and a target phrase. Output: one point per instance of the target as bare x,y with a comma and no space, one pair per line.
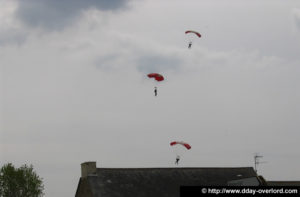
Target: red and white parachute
156,76
186,145
193,32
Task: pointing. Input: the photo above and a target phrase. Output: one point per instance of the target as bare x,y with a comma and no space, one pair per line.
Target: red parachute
156,76
190,31
186,145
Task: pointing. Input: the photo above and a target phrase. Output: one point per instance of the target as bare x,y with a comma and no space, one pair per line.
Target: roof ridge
146,168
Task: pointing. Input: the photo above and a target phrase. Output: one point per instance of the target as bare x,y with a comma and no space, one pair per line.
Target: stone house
154,182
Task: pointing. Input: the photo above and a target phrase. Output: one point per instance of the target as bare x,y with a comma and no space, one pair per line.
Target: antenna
257,157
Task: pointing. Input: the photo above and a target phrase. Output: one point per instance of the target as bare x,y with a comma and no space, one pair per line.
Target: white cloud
11,31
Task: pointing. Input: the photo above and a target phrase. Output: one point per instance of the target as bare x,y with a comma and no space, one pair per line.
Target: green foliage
20,182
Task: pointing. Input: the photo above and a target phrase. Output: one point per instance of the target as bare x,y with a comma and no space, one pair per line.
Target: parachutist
175,143
192,33
157,77
177,159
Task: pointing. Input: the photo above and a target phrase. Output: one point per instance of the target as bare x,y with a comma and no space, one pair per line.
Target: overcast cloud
59,13
81,93
296,17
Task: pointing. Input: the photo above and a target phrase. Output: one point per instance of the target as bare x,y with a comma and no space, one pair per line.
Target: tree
20,182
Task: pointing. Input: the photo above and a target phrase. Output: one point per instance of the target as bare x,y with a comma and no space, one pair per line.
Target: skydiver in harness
190,45
177,159
155,91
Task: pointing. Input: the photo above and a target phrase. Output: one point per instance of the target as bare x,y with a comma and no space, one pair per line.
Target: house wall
83,189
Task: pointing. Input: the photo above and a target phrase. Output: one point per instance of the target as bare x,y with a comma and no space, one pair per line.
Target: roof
283,183
153,182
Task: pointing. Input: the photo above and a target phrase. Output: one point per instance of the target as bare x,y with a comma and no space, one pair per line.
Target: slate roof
283,183
158,182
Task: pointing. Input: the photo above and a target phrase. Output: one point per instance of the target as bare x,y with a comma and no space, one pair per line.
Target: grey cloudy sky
74,85
59,13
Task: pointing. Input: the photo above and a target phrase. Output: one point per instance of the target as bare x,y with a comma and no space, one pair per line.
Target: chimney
88,168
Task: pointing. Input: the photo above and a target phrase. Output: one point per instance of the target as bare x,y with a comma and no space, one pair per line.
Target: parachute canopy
194,32
156,76
186,145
